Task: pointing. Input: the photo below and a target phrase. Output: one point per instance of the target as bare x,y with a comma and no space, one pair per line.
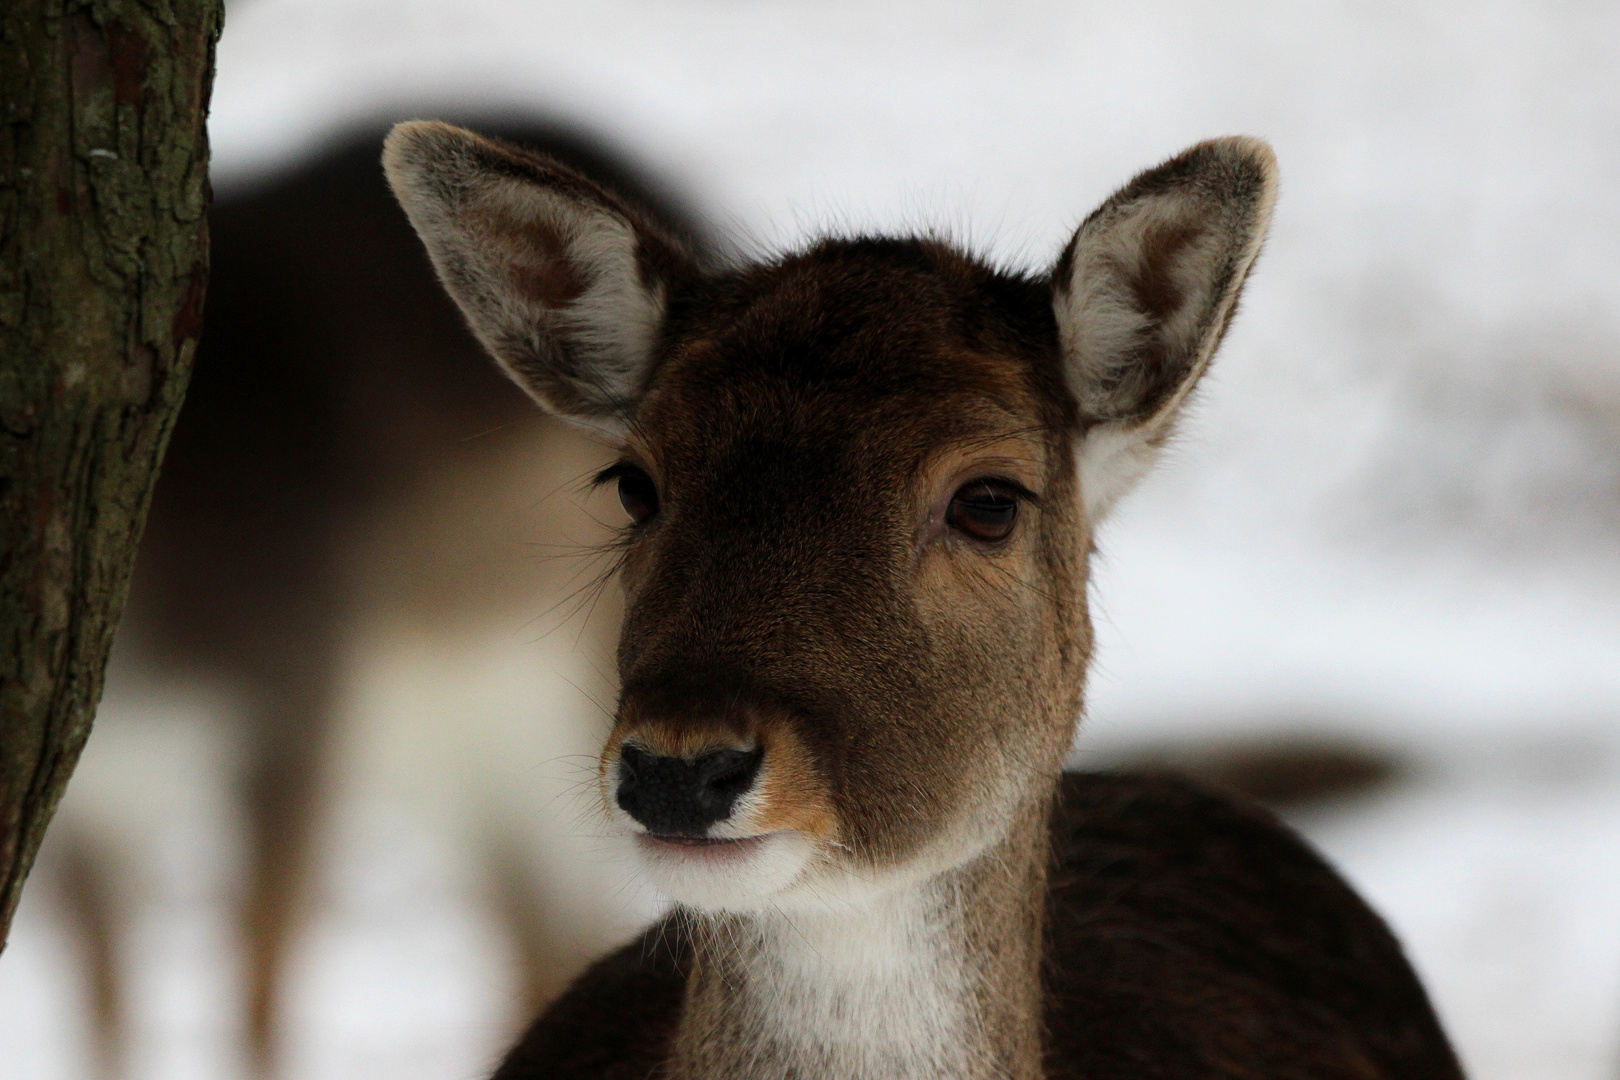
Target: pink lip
699,848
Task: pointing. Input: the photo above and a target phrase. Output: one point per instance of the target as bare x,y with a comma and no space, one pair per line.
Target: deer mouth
723,873
702,846
680,857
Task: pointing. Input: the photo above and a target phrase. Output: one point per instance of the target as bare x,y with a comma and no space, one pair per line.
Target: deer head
863,481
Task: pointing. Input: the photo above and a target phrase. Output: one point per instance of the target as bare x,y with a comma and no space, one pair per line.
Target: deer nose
678,796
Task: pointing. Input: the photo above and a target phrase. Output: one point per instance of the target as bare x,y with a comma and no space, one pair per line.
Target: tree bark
103,262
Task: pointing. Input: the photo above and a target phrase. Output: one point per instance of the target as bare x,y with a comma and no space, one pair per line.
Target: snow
1393,515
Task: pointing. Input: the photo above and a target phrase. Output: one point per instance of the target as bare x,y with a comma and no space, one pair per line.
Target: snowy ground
1394,517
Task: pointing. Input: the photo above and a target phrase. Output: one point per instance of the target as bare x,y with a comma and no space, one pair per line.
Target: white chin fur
733,881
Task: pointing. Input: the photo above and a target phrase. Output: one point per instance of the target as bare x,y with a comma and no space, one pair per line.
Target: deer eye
637,492
986,510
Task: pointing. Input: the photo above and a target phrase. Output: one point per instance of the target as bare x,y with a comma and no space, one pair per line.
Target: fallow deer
864,481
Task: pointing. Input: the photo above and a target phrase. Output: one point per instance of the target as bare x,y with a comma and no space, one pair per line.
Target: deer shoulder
1190,934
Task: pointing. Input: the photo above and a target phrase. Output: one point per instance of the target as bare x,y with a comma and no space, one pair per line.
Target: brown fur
806,423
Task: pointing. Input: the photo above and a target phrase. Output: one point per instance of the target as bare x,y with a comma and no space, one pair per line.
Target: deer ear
562,280
1143,294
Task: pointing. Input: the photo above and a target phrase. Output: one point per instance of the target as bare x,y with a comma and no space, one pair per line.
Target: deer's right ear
563,281
1143,294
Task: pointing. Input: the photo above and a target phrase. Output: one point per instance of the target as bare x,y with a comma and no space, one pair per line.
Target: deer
324,479
863,482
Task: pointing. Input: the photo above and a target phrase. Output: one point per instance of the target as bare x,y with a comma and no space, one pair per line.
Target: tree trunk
103,262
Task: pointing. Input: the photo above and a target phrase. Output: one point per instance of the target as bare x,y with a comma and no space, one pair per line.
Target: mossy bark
103,263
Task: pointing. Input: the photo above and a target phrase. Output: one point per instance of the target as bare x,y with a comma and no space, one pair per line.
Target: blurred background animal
349,490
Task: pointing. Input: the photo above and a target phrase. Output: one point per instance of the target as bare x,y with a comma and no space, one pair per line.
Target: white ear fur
1113,459
1143,294
562,282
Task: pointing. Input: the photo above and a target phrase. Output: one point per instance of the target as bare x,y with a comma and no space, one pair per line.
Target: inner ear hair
1145,289
565,282
1143,294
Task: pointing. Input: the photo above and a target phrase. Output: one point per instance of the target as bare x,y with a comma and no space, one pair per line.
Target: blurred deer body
351,505
863,481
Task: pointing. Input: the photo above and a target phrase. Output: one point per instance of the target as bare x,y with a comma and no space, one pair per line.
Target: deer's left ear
1143,294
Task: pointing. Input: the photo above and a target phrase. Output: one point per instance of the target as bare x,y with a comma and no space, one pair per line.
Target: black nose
674,796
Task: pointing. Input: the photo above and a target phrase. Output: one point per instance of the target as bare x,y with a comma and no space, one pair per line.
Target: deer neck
940,977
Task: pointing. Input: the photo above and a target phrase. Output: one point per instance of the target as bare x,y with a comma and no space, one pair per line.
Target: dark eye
984,509
637,493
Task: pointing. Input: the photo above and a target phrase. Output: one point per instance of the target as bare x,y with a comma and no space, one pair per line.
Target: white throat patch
879,991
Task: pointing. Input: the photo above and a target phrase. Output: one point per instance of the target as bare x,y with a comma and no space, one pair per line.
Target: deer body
308,500
863,482
1185,936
